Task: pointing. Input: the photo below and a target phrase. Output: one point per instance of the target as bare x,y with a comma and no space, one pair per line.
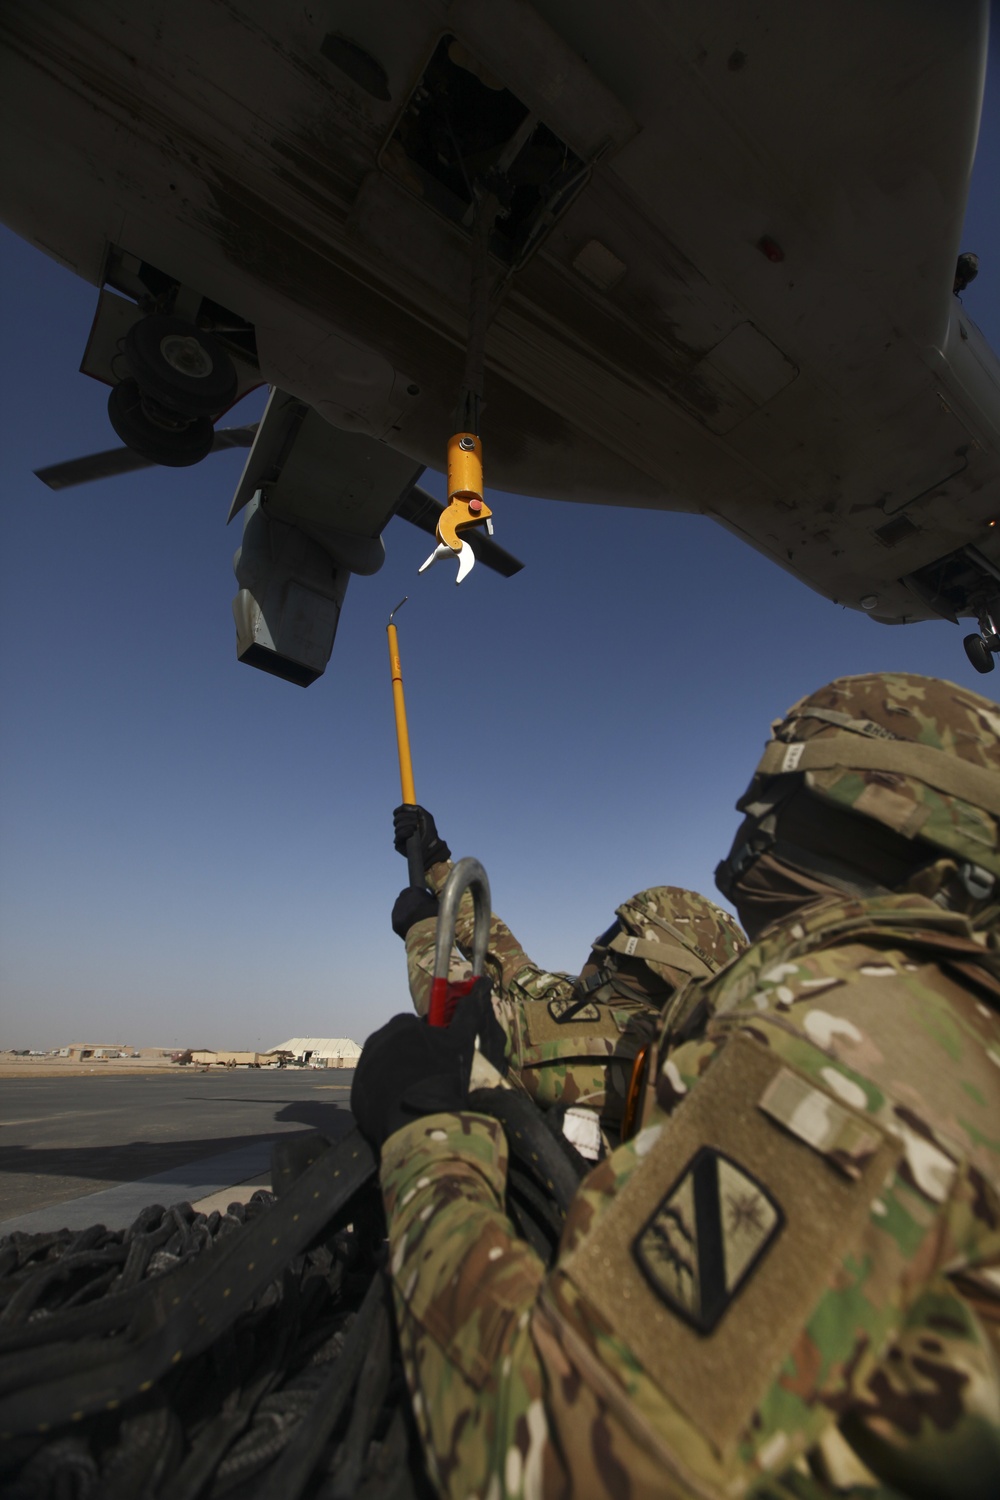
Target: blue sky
193,853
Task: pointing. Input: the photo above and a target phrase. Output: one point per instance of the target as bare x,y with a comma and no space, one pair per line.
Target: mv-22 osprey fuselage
721,278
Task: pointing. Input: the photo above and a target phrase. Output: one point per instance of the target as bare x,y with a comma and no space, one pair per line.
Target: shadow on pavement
88,1168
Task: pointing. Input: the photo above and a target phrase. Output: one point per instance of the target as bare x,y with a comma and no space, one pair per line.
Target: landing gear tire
156,433
979,653
178,365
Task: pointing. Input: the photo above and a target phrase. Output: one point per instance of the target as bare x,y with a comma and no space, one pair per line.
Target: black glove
410,819
408,1069
475,1019
412,904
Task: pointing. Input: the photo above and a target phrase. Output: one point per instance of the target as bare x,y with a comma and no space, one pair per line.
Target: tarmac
97,1149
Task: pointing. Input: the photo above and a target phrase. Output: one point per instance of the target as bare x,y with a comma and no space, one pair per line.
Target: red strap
445,997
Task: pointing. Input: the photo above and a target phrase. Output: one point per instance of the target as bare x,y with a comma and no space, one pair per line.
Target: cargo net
246,1354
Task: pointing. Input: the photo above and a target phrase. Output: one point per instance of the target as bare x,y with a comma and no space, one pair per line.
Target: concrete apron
211,1183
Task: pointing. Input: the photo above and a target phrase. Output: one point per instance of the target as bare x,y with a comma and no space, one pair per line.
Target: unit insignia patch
706,1237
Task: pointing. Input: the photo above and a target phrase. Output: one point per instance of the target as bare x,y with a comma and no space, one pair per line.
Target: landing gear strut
181,378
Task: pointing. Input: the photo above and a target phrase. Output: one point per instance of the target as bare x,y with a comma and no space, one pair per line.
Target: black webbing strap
530,1141
582,991
184,1311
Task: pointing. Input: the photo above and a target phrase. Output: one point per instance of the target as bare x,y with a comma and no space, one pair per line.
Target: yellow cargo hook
466,506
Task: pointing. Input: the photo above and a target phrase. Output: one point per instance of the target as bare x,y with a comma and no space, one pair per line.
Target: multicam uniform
847,1215
788,1284
572,1040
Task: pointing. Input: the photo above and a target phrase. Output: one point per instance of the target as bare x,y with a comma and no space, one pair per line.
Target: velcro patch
706,1237
568,1009
716,1380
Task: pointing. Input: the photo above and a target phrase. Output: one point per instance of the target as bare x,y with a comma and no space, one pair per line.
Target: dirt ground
110,1067
118,1067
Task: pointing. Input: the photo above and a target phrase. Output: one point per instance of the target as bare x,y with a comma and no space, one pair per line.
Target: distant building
82,1050
320,1051
226,1058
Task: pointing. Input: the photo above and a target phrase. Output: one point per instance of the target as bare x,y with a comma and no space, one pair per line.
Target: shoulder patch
706,1237
728,1217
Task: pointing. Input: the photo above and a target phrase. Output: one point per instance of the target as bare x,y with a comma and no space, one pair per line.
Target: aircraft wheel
179,365
979,653
156,433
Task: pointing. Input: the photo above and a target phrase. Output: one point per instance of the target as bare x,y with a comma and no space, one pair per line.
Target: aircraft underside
720,277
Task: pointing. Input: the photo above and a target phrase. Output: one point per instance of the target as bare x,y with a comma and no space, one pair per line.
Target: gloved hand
475,1021
408,1069
412,904
410,819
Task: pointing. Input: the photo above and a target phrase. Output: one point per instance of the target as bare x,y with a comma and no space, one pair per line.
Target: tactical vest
904,921
573,1044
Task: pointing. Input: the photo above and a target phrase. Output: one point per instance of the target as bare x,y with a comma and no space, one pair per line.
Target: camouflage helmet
662,937
913,761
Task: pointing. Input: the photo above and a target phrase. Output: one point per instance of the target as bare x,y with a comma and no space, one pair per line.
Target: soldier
573,1040
788,1283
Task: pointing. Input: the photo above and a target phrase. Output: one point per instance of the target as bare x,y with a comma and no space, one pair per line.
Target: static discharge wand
414,862
467,874
466,508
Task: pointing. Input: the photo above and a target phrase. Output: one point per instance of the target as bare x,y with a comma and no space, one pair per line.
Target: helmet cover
918,755
675,933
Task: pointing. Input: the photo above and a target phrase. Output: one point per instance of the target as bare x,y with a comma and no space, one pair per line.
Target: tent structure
335,1052
228,1058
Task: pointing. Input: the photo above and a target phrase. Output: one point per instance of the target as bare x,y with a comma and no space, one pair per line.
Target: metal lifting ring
467,875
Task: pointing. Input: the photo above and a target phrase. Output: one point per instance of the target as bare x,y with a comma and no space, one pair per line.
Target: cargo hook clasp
466,507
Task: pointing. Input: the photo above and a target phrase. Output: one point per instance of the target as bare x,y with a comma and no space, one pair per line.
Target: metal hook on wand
414,861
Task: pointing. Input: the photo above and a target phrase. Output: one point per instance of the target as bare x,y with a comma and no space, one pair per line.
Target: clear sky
193,853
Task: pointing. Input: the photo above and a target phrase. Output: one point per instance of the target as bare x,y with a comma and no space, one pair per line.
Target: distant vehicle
722,276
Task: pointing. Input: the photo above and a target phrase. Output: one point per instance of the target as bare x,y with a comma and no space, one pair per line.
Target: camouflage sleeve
420,942
926,1420
464,1286
530,1384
